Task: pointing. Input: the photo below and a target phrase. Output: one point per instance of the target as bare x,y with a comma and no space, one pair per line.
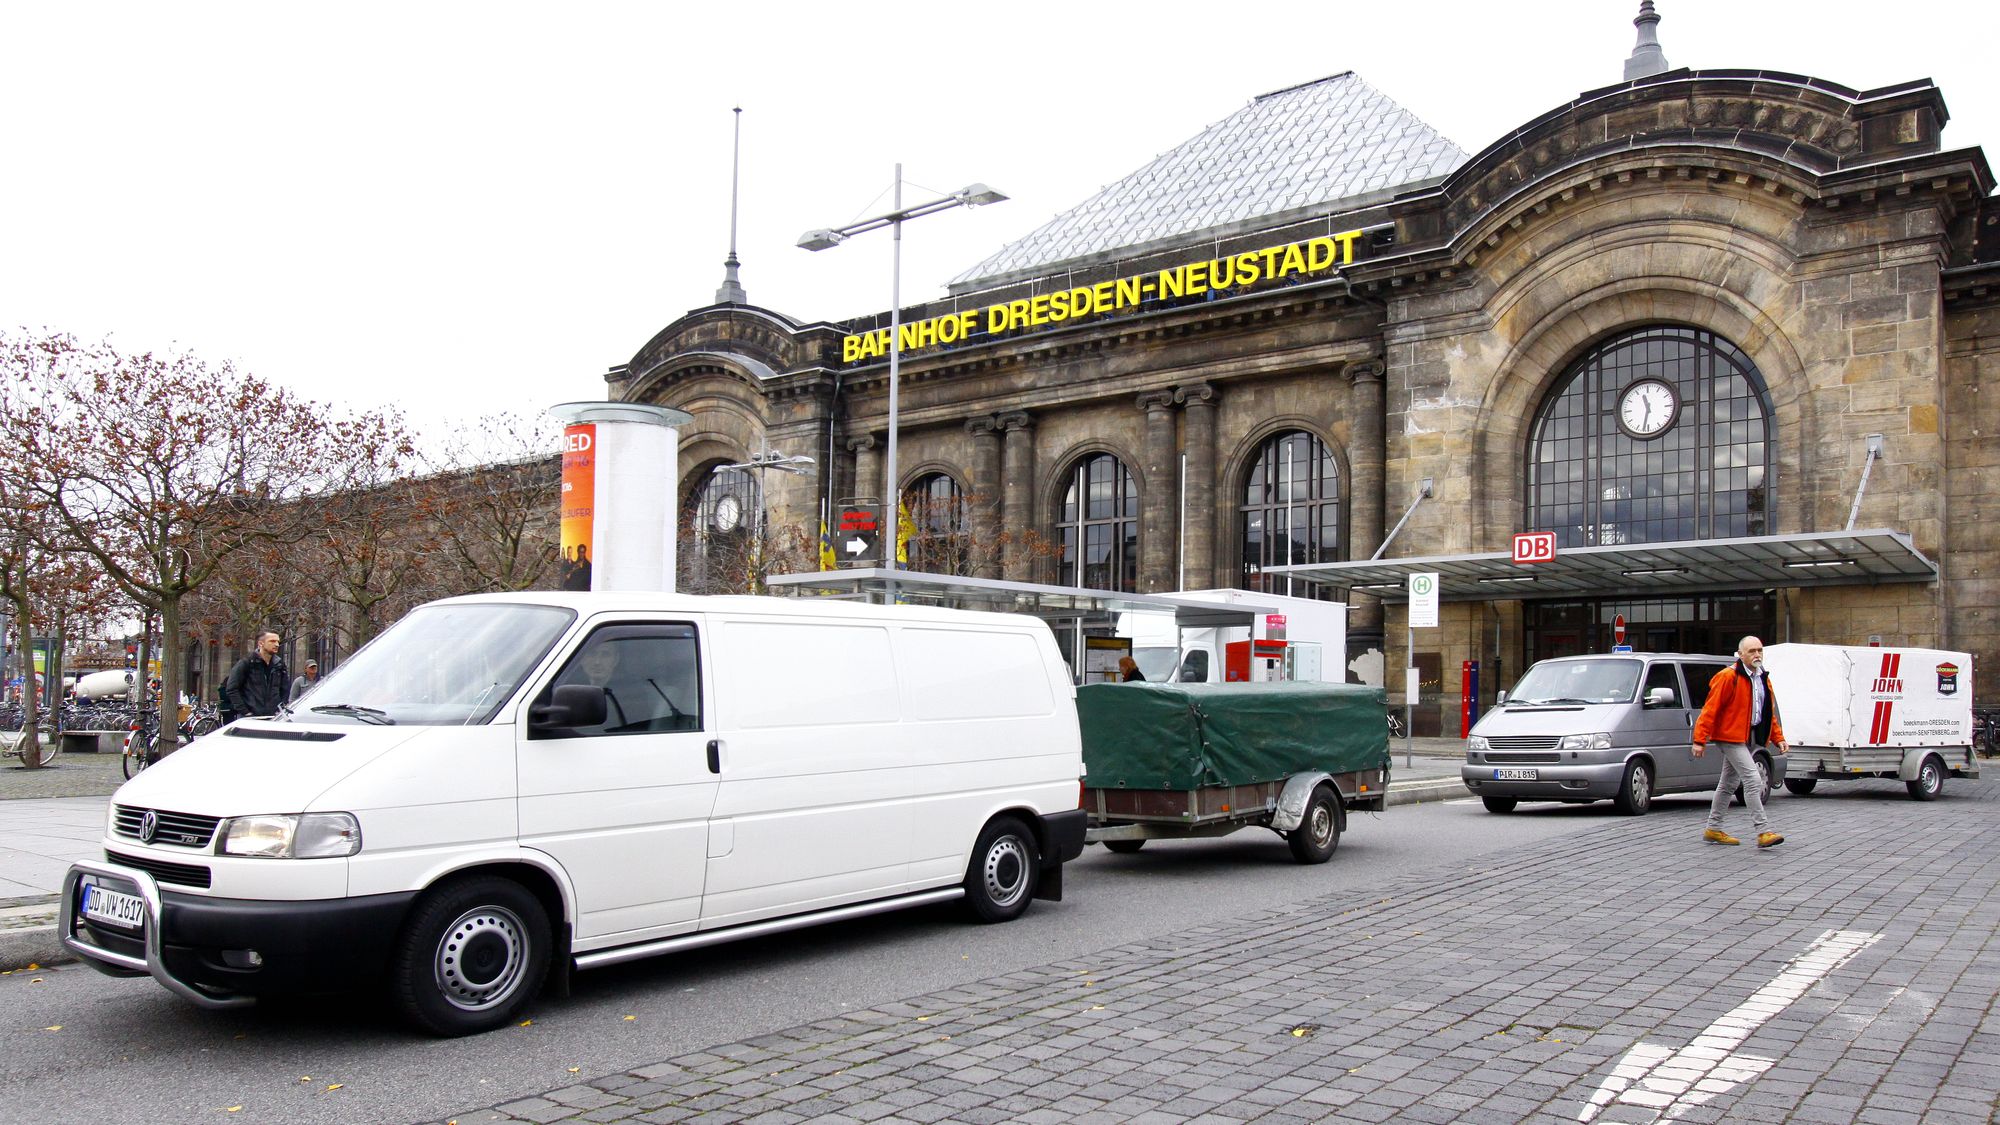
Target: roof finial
1647,58
732,292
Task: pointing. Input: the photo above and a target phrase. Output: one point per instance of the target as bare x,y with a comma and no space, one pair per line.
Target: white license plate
115,907
1515,775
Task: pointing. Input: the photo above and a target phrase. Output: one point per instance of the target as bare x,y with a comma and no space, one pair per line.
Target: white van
501,788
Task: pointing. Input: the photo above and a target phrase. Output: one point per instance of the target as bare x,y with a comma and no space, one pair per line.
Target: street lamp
972,195
761,461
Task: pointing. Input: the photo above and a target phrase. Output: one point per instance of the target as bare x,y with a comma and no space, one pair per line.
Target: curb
28,937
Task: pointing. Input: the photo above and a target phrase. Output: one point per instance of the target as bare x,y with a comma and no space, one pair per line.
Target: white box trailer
1315,632
1851,711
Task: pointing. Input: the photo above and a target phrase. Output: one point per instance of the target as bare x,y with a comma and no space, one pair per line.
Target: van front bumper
1594,782
223,953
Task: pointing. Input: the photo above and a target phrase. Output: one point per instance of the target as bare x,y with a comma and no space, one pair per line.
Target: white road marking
1672,1082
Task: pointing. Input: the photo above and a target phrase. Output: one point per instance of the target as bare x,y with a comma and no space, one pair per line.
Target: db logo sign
1535,547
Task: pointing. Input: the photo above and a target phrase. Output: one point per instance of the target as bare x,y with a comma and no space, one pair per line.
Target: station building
1733,337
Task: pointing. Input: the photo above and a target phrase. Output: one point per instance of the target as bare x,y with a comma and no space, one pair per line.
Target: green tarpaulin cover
1189,736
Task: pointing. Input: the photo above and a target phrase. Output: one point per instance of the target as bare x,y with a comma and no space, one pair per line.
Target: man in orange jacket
1741,713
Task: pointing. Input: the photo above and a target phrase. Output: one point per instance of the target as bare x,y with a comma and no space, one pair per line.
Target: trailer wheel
1124,847
1499,804
1001,878
1801,786
1318,833
1929,782
1635,793
473,954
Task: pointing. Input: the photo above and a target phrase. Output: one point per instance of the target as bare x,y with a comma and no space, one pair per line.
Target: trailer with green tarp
1174,761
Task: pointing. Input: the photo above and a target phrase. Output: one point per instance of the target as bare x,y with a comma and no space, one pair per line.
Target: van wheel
1800,786
1635,793
1499,804
1763,781
1001,878
473,953
1318,833
1929,782
1124,847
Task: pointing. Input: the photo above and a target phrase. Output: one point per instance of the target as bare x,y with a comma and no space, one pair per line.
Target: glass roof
1316,148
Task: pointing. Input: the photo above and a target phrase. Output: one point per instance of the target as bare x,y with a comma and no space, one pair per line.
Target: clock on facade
1648,408
728,513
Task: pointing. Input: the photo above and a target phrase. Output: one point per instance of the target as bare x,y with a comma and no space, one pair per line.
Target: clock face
1648,408
728,513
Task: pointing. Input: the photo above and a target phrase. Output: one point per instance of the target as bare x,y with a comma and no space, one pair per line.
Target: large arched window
1098,527
1659,435
1290,509
723,515
939,542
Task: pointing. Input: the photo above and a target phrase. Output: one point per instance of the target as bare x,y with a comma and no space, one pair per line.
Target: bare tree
489,502
162,468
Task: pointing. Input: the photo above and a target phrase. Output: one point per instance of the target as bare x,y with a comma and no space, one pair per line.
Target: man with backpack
257,685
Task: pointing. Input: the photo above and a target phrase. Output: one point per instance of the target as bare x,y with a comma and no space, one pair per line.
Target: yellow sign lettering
1319,255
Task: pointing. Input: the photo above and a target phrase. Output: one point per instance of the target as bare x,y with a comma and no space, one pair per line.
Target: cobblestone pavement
1629,958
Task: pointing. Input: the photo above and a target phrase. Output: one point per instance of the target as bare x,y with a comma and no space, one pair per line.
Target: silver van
1590,728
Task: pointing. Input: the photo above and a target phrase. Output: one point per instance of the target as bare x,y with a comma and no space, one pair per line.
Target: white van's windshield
1611,680
442,665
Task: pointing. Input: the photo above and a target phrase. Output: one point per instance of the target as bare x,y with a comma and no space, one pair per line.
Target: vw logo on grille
148,826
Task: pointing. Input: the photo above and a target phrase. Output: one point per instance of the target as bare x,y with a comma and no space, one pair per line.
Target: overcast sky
464,208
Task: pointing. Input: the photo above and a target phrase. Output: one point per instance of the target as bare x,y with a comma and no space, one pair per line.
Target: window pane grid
1290,511
1102,489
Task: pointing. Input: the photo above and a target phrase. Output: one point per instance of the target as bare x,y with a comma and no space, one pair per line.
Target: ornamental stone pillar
984,500
1157,537
1367,459
1199,502
867,467
1017,492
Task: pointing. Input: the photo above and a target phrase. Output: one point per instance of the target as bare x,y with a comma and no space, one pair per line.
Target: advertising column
620,482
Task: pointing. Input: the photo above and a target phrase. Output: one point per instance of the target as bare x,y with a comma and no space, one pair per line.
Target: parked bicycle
1395,724
142,744
14,743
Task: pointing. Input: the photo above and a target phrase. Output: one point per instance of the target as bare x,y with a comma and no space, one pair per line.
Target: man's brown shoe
1769,840
1718,836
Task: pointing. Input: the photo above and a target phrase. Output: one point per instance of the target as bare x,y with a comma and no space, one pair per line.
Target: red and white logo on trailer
1889,684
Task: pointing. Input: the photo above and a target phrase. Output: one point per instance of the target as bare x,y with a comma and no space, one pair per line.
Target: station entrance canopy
1051,603
1757,562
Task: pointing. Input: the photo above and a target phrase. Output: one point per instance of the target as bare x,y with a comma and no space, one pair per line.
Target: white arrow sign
856,546
1670,1083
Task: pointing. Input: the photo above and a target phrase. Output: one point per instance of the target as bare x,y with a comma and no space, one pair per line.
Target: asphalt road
127,1051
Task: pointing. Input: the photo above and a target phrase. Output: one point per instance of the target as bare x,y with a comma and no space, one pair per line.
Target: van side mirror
570,705
1501,698
1660,697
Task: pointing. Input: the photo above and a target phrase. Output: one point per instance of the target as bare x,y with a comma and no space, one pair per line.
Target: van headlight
1586,742
1475,743
320,835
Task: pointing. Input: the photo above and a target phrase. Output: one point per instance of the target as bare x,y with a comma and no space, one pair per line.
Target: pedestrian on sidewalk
1740,716
305,683
256,686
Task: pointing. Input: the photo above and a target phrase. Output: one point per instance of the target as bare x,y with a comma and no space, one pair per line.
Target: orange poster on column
579,503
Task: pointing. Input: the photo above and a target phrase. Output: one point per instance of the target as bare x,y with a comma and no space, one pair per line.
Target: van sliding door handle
715,755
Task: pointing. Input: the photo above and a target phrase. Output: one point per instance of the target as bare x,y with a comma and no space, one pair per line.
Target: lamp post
761,461
972,195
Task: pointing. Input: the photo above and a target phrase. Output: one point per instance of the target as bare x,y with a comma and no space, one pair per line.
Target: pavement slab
1514,990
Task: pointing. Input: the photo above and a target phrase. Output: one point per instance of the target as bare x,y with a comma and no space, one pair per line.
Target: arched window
1098,527
721,518
1658,435
939,542
1290,509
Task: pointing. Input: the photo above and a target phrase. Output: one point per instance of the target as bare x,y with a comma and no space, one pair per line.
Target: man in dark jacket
258,683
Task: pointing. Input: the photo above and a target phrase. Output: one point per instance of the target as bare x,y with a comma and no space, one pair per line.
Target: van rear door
624,805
